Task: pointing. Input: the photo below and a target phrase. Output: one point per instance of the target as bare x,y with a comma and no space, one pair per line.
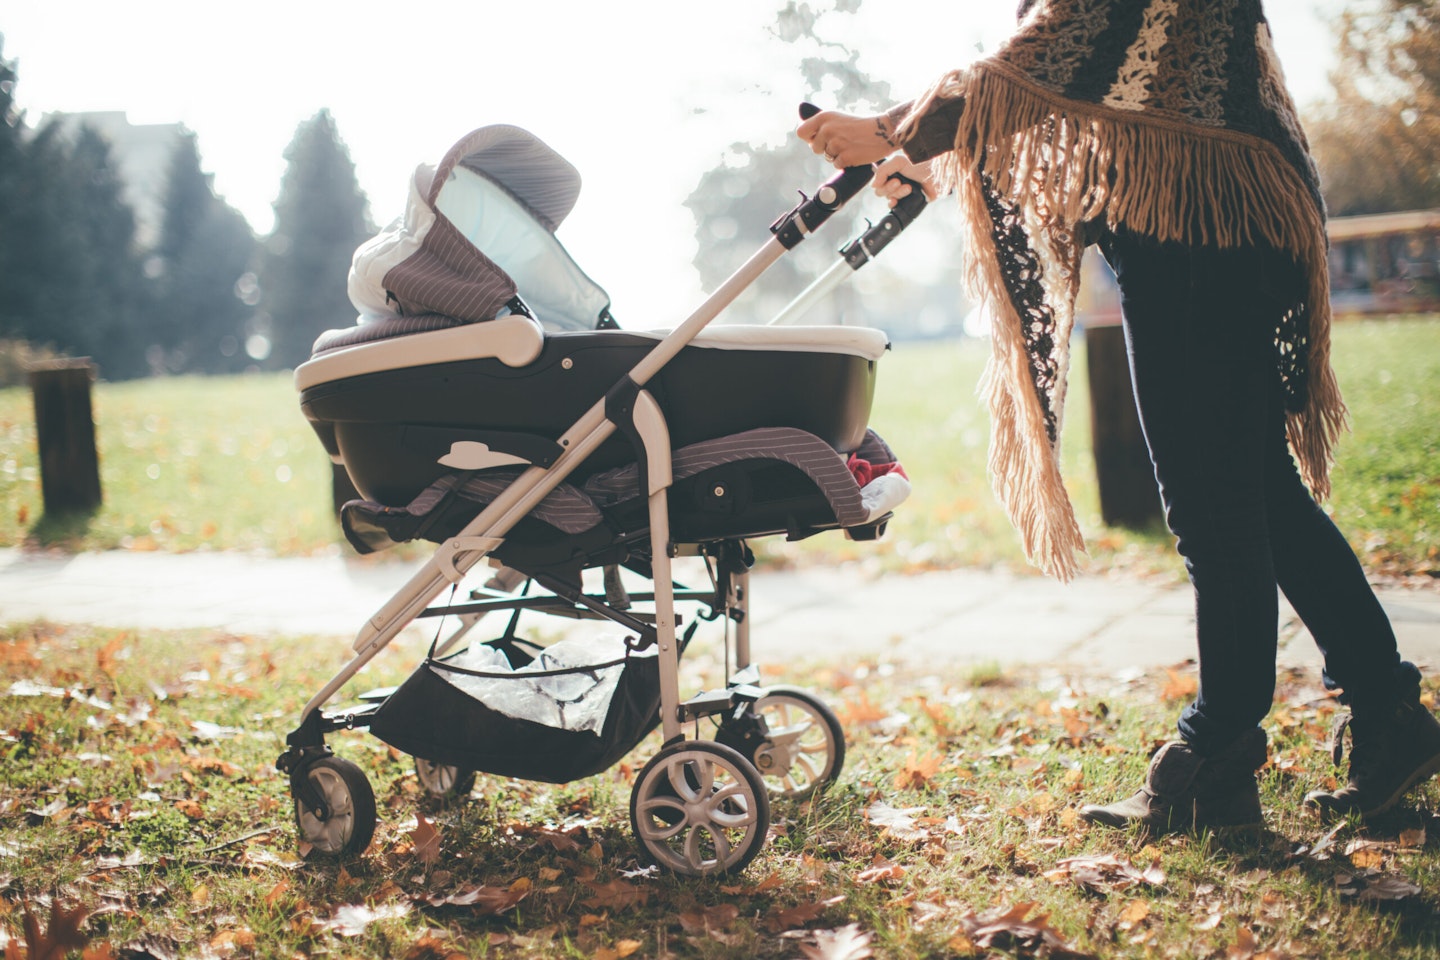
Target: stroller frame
718,788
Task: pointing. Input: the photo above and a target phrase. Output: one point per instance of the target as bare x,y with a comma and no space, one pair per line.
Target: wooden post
1128,494
65,429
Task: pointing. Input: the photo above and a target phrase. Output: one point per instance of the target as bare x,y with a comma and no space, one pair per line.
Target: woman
1162,130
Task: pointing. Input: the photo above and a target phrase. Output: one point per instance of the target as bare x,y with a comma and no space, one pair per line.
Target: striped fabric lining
802,450
382,330
574,510
449,275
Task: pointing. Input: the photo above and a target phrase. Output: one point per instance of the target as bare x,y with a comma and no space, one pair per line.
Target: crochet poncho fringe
1166,118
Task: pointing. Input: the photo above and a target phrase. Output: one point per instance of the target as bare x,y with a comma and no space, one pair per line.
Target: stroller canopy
477,230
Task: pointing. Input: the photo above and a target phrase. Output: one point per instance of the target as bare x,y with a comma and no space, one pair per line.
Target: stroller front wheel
799,748
443,781
345,822
700,808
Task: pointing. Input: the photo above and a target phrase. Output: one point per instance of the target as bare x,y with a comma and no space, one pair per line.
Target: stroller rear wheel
443,781
700,808
345,823
792,738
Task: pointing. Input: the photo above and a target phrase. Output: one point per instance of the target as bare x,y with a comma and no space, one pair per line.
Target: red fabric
864,471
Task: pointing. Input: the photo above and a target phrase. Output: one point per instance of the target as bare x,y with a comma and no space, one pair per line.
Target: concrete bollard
65,430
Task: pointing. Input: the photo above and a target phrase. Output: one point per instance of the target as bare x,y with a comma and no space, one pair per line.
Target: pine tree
321,216
204,252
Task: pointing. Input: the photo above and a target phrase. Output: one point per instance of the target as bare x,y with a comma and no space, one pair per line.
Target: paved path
949,618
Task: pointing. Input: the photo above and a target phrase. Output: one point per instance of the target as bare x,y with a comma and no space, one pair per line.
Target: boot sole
1421,774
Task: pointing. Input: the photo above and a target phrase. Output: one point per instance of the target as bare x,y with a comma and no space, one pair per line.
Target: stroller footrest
710,703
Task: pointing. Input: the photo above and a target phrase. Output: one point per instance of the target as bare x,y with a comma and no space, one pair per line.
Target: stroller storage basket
433,716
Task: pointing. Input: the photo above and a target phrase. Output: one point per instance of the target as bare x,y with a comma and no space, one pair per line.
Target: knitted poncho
1167,118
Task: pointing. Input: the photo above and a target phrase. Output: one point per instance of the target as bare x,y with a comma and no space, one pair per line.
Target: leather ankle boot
1392,748
1186,791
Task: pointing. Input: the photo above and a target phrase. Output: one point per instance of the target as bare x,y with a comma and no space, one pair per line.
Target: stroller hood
475,225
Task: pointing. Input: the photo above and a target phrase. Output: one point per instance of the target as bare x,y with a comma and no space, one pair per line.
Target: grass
229,463
139,786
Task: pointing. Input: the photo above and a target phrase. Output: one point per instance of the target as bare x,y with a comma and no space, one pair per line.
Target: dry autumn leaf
486,901
1014,927
425,840
1180,686
789,918
616,895
881,870
917,771
60,935
846,943
352,920
718,917
899,823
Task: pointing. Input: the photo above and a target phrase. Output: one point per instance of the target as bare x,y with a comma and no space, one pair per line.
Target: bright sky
642,96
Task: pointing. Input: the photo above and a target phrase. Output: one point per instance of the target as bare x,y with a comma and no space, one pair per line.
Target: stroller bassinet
488,402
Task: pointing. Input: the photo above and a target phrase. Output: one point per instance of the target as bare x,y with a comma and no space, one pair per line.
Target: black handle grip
908,207
806,218
877,238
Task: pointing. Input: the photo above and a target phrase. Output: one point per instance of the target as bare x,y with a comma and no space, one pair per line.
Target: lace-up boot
1186,791
1391,750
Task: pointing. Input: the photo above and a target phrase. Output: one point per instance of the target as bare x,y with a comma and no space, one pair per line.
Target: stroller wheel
347,822
802,748
443,781
700,808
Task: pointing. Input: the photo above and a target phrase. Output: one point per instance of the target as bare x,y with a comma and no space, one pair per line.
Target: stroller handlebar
811,212
875,239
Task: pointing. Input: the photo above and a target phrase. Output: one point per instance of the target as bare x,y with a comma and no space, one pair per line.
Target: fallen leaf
616,895
846,943
1014,927
898,822
1135,911
917,770
1179,686
881,870
488,901
60,935
1377,886
788,918
1244,946
352,920
426,841
718,917
1105,873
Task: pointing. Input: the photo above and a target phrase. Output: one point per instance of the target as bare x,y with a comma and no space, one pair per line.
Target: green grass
147,795
229,463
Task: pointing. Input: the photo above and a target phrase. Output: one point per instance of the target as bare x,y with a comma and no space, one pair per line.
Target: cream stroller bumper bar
548,508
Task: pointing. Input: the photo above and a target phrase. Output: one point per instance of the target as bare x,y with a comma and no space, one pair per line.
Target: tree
1375,141
205,252
735,201
71,274
321,216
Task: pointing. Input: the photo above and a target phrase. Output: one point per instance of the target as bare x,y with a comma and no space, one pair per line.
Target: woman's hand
849,141
889,186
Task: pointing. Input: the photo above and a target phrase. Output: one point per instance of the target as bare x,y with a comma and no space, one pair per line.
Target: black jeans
1199,328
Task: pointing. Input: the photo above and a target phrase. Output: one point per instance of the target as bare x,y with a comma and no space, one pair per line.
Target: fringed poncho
1166,118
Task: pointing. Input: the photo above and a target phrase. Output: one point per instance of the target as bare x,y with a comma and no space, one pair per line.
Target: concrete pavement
939,619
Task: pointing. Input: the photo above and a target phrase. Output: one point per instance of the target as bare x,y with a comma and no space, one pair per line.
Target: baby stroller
488,402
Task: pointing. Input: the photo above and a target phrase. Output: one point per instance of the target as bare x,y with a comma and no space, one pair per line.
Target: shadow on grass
66,529
1326,866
